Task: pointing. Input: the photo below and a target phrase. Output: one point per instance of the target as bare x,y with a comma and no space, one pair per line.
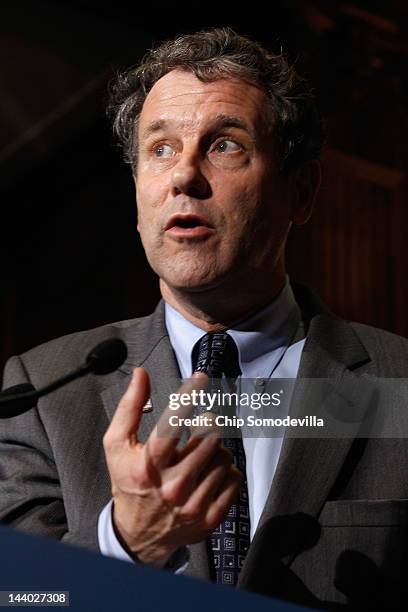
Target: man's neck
213,311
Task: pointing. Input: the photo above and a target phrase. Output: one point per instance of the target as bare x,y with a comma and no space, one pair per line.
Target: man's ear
137,212
305,187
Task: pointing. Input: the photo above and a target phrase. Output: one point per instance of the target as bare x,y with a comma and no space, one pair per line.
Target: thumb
126,419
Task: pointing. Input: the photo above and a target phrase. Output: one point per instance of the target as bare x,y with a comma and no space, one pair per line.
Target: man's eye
163,150
227,146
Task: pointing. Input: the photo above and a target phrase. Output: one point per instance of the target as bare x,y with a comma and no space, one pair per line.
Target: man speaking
223,140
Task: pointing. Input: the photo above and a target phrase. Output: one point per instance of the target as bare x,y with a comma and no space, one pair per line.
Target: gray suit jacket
54,479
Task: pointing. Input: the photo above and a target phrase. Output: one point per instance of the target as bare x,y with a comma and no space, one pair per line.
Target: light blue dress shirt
266,348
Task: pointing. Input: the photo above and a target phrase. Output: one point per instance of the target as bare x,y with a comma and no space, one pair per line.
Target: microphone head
107,356
11,404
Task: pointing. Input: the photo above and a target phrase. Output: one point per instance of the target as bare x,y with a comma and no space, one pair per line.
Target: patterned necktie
216,354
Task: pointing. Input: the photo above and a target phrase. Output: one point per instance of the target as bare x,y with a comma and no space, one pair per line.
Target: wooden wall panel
354,250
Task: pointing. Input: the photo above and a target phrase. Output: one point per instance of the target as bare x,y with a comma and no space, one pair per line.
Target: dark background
71,258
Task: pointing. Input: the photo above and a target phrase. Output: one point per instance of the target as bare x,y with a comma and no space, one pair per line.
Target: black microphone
23,392
104,358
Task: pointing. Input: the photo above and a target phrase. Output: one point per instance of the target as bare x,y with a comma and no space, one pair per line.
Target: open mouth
188,224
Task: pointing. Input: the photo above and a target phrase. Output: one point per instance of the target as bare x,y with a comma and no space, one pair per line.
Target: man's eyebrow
218,123
224,121
153,127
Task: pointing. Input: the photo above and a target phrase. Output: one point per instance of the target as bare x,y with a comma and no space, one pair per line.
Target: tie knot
216,354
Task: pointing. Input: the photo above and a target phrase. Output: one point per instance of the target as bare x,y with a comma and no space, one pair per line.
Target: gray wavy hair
214,54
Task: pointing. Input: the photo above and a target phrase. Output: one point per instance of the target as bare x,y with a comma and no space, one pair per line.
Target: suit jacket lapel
308,468
149,347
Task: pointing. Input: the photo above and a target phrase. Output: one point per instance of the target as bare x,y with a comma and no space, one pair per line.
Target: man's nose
187,178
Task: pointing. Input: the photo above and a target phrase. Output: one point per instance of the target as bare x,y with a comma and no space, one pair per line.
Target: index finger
126,420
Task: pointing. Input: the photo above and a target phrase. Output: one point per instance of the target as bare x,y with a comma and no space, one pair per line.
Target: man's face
211,204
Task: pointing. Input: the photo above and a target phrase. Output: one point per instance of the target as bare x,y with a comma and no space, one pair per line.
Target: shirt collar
266,330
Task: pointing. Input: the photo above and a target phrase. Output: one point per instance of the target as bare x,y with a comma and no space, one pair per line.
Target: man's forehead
181,97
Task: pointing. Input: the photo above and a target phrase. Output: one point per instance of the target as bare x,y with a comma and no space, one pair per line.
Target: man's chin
191,284
194,286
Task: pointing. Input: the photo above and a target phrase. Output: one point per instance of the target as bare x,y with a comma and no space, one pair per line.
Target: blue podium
99,584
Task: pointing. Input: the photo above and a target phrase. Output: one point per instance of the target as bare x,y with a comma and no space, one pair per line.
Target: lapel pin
148,406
